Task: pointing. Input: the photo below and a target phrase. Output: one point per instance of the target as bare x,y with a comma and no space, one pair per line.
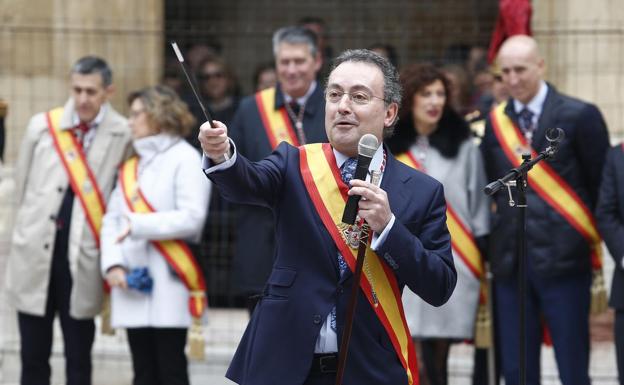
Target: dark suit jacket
610,217
255,235
278,345
553,246
1,132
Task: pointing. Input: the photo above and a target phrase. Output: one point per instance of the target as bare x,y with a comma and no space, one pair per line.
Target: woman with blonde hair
158,205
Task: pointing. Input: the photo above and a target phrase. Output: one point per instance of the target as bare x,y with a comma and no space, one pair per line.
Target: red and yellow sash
548,184
276,122
329,195
462,240
176,252
81,178
465,246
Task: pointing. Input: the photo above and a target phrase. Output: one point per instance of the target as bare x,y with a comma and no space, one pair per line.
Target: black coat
610,217
255,235
554,247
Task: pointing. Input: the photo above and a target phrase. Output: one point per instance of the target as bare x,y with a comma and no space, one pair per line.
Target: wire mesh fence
39,42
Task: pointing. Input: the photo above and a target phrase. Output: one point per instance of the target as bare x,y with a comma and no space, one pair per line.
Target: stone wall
583,44
41,39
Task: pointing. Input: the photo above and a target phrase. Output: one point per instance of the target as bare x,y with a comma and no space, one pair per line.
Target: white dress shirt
302,100
535,105
90,134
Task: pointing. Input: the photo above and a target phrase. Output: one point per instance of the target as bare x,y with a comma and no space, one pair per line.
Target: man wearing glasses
293,112
294,334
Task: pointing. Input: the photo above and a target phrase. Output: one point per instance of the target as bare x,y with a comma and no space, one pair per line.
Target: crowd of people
123,213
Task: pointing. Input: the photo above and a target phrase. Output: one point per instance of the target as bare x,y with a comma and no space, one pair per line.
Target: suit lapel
511,112
547,118
279,98
392,183
314,101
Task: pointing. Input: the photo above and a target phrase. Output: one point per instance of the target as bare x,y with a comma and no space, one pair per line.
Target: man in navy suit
559,256
610,216
294,333
297,101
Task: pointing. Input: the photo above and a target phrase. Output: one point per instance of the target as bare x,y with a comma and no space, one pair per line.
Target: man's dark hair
392,85
91,65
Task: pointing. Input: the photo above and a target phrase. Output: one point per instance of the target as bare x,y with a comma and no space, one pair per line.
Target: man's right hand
214,141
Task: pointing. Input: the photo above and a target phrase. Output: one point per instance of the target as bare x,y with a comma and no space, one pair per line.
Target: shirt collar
95,122
302,100
536,104
375,163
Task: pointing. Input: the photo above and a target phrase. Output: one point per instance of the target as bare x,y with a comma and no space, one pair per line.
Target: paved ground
112,363
111,360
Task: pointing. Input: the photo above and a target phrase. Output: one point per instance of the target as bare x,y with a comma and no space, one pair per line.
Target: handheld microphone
367,146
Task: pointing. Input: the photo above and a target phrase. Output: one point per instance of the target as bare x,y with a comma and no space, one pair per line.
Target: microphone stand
517,177
355,289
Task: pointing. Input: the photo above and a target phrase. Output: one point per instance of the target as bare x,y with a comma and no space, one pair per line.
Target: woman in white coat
170,179
431,135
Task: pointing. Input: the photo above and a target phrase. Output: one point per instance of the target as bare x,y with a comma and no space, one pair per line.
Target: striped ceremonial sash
81,178
462,240
276,122
548,184
176,252
465,246
329,195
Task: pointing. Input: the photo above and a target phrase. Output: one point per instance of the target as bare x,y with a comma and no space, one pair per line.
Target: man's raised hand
214,141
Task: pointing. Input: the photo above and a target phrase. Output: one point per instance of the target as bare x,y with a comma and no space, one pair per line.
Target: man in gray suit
64,175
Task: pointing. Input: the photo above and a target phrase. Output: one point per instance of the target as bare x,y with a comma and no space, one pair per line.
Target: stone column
41,39
583,44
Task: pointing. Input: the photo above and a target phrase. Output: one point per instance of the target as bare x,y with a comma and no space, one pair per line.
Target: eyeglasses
358,97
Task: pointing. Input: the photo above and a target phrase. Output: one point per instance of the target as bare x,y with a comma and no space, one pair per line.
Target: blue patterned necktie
347,171
525,118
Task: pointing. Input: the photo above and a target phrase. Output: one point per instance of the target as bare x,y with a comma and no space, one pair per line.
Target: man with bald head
562,242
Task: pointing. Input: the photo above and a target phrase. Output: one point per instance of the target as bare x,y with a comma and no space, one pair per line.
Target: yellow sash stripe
175,252
81,178
548,184
389,308
276,122
462,239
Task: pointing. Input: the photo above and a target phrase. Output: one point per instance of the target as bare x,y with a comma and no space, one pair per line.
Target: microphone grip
361,169
351,209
